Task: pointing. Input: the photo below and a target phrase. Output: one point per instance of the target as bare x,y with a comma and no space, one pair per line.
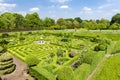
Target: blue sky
86,9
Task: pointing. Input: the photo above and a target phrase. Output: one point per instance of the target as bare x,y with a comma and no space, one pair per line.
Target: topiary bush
31,60
60,53
6,64
73,53
65,73
100,47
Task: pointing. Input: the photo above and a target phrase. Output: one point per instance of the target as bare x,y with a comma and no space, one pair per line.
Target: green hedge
3,67
8,70
82,72
41,74
31,60
116,49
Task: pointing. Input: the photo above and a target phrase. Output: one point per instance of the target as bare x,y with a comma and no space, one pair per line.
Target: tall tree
49,22
61,21
32,20
9,20
19,20
78,19
76,24
115,19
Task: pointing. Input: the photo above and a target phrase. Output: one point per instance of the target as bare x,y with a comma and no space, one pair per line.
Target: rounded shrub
65,73
100,47
31,60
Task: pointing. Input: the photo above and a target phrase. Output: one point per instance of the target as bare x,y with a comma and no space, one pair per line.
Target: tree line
15,21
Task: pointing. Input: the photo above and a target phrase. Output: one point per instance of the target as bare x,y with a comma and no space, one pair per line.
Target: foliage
100,47
82,72
41,73
116,48
65,73
110,70
31,60
115,19
6,64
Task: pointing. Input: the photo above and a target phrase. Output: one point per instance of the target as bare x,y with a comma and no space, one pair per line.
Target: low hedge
3,67
7,71
41,74
7,62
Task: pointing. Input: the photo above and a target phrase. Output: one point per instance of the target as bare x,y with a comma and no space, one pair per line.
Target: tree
114,26
115,19
9,20
2,24
61,21
19,20
76,24
69,23
32,20
78,19
49,22
104,23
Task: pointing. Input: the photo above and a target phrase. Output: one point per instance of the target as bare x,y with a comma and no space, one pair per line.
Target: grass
110,70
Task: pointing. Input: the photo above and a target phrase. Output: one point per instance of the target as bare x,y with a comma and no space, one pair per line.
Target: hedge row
41,73
7,71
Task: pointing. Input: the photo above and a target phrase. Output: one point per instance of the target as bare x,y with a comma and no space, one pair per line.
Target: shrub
100,47
3,42
41,74
60,53
73,53
86,57
95,39
65,73
31,60
82,72
65,39
5,35
21,38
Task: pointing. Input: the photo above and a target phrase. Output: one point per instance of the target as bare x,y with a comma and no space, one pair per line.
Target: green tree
19,20
60,22
115,19
49,22
104,23
76,24
32,20
9,20
114,26
78,19
69,23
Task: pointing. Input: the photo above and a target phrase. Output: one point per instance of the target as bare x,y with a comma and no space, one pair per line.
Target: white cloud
87,10
35,9
104,6
116,10
64,7
60,1
6,7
